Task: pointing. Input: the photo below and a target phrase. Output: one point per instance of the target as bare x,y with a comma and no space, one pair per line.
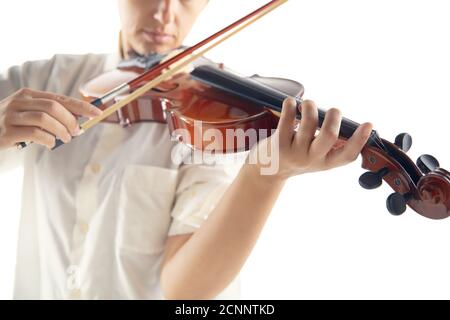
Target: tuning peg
372,180
396,203
427,163
403,141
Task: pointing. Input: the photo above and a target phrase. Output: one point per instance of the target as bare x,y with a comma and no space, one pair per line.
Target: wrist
254,173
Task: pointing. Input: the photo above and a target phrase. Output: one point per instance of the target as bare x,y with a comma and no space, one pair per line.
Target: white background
382,61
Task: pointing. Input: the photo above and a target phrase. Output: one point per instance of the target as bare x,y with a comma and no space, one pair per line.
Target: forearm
214,255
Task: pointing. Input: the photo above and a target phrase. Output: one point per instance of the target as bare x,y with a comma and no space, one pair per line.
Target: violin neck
348,127
252,90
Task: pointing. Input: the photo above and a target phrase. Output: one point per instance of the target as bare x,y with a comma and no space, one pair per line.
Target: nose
165,11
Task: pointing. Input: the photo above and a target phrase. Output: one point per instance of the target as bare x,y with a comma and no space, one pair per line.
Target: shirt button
84,227
95,168
75,294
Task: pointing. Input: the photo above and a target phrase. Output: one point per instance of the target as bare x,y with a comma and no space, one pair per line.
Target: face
150,26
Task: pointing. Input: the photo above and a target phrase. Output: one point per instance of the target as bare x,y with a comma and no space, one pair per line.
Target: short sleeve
10,82
199,189
31,74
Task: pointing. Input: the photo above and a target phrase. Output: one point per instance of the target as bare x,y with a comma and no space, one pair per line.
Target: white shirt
96,213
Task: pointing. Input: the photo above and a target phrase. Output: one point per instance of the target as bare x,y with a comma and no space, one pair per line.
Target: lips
158,37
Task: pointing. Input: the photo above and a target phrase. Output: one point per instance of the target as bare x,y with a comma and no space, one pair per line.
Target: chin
146,47
163,48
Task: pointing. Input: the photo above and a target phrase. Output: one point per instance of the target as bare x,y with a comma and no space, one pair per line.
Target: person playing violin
110,215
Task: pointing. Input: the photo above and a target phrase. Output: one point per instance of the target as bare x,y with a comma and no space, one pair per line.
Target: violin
222,101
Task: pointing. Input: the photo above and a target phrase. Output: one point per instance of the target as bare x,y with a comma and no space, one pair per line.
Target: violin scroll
424,186
434,192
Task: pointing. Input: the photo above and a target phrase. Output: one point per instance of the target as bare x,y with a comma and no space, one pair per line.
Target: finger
308,125
75,106
352,148
53,109
328,135
287,119
32,134
41,120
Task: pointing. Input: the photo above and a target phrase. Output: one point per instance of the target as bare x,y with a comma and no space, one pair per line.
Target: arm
201,265
28,114
38,116
214,254
10,81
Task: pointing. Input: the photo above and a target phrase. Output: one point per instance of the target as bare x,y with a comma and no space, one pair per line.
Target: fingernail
76,130
292,102
66,138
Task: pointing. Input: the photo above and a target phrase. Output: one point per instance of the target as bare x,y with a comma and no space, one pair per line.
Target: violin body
195,112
